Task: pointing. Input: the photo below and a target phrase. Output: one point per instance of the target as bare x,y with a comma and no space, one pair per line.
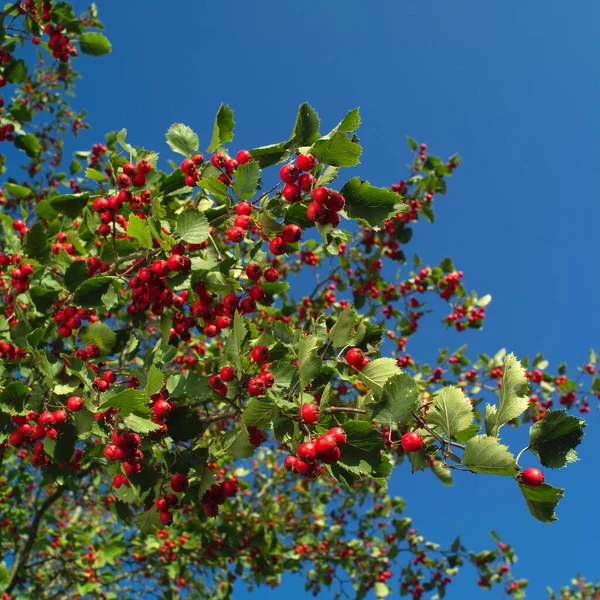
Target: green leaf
155,381
370,204
139,424
192,226
466,434
513,400
362,451
236,443
212,185
542,501
554,438
235,340
267,156
485,454
306,127
128,401
222,129
18,191
400,395
259,412
75,275
95,175
381,589
343,330
338,151
412,143
90,292
139,230
12,398
71,205
61,450
443,474
309,361
148,521
451,410
29,144
121,137
84,421
246,180
35,243
328,175
377,372
93,43
182,139
16,71
100,334
43,298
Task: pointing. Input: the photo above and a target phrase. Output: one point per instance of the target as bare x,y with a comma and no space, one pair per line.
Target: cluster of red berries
32,428
168,502
189,167
326,448
228,165
216,495
19,277
265,379
219,316
6,131
70,319
356,358
150,285
135,173
58,43
124,447
297,182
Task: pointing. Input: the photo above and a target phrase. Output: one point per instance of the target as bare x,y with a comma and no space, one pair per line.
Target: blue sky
510,87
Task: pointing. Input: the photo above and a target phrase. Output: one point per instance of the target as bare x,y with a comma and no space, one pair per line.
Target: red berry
75,403
291,192
260,354
271,275
335,202
291,233
198,159
532,477
176,262
305,181
165,517
218,160
355,357
290,463
179,483
306,162
320,195
277,246
302,467
339,435
332,457
256,436
227,373
289,173
316,212
309,413
307,451
412,442
60,416
257,293
243,157
229,488
144,166
254,271
236,234
256,387
243,208
325,444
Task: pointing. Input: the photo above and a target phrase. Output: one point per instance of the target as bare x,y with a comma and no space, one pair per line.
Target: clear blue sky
513,87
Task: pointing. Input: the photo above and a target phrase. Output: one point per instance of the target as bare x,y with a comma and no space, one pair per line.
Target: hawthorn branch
8,11
348,409
23,556
436,435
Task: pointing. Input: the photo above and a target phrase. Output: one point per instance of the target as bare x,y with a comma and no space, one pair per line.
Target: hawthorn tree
205,376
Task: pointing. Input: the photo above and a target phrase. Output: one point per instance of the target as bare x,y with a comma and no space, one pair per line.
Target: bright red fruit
306,162
278,246
355,357
339,435
243,157
315,212
325,444
179,483
309,413
260,354
289,173
532,477
412,442
291,192
307,451
75,403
